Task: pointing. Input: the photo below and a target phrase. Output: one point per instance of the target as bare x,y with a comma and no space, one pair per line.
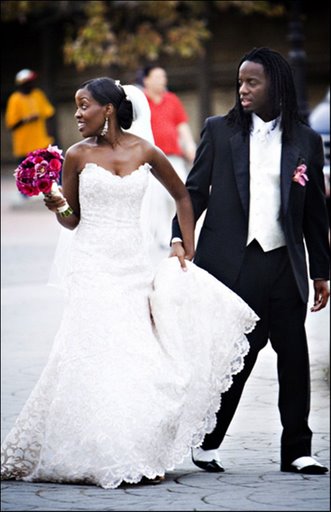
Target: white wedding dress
138,364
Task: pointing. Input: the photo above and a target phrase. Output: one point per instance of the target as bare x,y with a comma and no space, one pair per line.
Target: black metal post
205,87
204,71
297,56
48,58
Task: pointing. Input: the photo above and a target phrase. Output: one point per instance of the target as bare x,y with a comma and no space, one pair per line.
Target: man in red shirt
173,135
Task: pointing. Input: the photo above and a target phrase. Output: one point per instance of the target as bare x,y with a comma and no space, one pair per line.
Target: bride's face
90,115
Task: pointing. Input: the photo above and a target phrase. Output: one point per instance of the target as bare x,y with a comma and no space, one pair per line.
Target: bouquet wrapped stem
64,210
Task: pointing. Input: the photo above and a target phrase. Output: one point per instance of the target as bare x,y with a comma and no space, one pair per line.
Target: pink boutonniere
300,176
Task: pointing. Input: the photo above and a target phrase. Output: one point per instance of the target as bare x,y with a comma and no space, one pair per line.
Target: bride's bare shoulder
80,147
77,154
139,145
134,139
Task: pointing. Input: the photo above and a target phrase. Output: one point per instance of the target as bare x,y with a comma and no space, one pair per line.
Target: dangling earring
105,128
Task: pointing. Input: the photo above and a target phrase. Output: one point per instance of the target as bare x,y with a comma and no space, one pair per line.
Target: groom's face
253,88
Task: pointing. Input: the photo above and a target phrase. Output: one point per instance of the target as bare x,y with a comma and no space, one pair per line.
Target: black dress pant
267,284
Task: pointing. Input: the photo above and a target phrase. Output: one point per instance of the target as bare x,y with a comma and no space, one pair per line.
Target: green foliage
15,10
138,32
251,6
127,33
95,43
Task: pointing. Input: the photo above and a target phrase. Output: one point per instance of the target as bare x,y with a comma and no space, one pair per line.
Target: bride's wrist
176,240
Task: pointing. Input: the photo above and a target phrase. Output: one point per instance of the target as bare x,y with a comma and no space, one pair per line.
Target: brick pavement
31,313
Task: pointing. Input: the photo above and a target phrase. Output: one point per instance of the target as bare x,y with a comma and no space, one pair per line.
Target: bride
137,367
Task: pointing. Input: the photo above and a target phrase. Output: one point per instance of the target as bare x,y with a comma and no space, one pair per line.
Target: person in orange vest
27,114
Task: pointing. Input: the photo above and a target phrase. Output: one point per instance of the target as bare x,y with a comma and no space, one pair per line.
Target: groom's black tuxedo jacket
219,182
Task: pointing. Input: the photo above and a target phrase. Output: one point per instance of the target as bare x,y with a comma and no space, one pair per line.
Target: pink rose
25,175
38,160
54,165
44,185
300,176
27,189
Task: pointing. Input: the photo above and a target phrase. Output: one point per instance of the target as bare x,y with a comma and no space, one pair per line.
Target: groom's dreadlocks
282,93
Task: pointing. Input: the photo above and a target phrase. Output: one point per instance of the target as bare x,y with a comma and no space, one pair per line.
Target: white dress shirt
264,207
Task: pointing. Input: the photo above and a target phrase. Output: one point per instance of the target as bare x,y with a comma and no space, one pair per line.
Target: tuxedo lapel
240,158
289,161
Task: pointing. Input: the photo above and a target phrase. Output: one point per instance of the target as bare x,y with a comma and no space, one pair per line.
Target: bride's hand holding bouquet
39,173
55,201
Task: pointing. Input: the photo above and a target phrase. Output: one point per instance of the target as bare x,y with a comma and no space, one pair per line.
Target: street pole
297,56
204,71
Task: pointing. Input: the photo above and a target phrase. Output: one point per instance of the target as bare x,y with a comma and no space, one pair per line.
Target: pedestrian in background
258,174
27,114
173,135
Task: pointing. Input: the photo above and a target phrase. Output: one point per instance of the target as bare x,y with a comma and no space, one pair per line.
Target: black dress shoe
307,470
211,466
151,481
305,465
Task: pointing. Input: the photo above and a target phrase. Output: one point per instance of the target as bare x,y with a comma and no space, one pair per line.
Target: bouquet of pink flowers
40,172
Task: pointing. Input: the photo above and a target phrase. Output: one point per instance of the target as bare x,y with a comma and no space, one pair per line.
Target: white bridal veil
141,126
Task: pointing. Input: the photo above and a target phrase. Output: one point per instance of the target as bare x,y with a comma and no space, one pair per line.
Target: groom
258,174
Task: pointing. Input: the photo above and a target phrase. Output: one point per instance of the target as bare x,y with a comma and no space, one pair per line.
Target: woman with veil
135,374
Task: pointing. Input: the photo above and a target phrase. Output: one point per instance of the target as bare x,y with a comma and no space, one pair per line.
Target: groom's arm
315,219
316,228
199,178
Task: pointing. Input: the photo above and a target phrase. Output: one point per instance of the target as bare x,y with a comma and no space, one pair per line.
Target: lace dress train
138,365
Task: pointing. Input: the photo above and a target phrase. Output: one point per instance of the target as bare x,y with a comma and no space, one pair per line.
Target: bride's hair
105,90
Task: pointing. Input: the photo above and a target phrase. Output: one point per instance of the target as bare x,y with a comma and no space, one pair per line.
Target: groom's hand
178,250
321,294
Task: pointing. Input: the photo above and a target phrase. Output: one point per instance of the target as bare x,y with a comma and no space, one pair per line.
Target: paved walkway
31,313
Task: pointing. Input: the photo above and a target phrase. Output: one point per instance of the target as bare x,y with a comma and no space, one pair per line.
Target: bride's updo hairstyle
105,90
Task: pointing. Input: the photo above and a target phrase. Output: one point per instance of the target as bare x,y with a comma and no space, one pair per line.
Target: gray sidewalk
31,312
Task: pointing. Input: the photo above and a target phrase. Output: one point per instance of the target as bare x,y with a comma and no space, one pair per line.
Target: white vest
264,207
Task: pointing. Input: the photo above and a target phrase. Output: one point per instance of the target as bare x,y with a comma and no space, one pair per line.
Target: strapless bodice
110,226
106,198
